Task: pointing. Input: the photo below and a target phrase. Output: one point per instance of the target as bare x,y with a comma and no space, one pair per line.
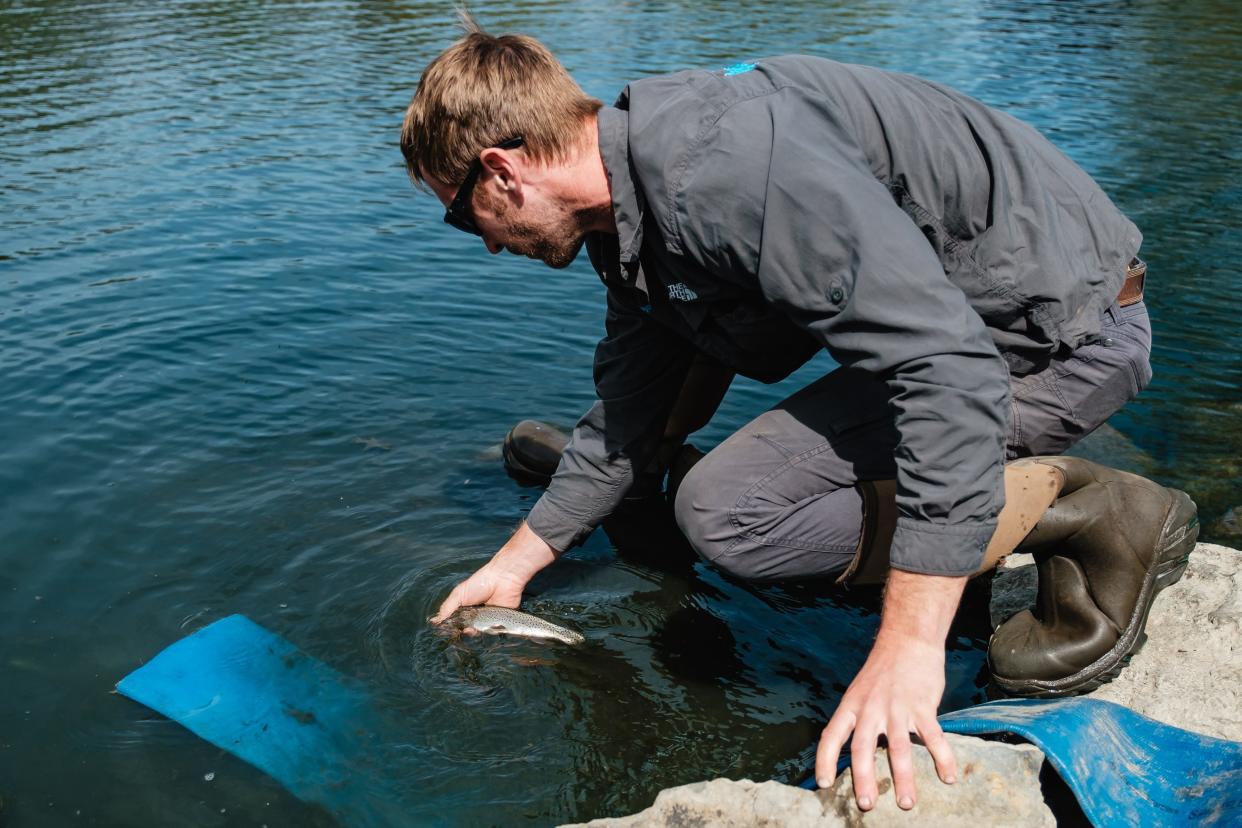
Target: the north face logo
681,293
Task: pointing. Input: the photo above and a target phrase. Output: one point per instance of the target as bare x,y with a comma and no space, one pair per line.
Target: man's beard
556,248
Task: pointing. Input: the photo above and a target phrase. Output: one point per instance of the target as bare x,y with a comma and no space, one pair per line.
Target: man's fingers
901,764
830,741
451,603
862,765
938,746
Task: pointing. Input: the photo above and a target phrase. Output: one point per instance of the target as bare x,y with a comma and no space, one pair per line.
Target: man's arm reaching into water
502,580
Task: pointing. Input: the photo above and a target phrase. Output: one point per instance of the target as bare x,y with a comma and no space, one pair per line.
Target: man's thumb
451,603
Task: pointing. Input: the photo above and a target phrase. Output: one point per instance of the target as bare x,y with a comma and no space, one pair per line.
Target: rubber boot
532,451
1104,549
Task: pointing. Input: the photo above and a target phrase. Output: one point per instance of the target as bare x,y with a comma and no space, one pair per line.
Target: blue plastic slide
257,696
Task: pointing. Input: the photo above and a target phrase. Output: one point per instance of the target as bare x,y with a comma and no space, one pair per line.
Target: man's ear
504,171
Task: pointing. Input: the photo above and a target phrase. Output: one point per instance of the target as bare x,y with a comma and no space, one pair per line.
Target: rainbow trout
504,621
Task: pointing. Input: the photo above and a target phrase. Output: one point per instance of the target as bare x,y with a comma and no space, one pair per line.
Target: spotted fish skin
504,621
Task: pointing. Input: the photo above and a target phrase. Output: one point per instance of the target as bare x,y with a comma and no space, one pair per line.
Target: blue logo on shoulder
737,69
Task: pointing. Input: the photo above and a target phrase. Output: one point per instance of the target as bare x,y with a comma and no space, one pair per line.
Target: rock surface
1189,673
998,784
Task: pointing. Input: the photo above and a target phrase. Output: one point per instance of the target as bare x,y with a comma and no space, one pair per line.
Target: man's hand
897,691
501,580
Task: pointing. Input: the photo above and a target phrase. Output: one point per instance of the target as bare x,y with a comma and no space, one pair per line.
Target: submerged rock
1108,446
998,784
1230,523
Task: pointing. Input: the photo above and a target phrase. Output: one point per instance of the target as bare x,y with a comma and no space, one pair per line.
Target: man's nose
493,247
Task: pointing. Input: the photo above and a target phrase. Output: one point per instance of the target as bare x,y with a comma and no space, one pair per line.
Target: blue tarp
254,694
1125,769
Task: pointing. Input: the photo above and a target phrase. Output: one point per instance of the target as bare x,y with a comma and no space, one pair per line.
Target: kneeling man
980,292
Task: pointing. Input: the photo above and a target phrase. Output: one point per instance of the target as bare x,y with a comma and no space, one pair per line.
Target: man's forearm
918,608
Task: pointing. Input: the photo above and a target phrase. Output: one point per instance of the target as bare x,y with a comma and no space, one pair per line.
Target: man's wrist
524,554
918,609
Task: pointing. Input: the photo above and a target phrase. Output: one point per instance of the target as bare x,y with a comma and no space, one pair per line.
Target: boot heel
1171,573
1179,537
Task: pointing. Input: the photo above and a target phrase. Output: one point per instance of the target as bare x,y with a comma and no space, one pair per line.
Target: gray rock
998,784
1189,673
1013,587
725,803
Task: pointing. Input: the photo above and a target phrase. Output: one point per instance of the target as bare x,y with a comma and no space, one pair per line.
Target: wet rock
1229,523
1189,673
998,784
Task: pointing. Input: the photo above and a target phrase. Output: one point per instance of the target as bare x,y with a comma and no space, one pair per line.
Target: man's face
517,216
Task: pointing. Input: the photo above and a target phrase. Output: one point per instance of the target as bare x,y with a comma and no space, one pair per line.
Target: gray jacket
772,209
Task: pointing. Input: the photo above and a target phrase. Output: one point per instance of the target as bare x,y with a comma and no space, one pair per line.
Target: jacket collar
628,204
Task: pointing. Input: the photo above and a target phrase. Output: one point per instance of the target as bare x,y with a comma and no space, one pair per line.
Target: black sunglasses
459,213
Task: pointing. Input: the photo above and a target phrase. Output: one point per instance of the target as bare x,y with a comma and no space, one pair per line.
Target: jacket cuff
938,549
555,528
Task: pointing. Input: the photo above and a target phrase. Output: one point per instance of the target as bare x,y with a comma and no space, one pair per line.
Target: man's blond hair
483,90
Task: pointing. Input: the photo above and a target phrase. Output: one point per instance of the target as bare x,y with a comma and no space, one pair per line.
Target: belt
1132,288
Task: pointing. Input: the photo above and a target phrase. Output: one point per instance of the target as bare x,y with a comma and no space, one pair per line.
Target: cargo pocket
1098,379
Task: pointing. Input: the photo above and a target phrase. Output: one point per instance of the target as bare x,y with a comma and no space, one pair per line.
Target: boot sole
1178,537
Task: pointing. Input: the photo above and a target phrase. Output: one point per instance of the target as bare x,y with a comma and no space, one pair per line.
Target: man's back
1036,246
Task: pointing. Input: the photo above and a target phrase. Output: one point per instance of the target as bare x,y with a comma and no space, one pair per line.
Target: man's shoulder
715,128
669,113
696,96
673,119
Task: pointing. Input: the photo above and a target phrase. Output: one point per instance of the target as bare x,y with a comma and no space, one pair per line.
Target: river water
246,369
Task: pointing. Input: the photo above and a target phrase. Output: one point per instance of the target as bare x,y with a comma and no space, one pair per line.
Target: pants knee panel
699,515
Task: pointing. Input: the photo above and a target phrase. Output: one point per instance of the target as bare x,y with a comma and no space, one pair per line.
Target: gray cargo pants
776,500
